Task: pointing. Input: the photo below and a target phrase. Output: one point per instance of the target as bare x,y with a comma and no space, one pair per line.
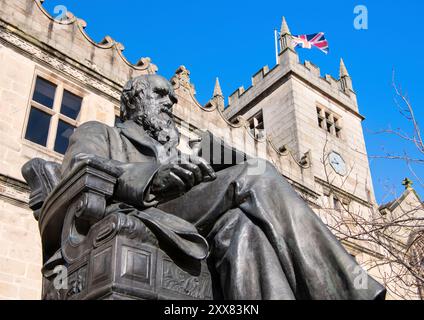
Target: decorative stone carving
55,63
181,79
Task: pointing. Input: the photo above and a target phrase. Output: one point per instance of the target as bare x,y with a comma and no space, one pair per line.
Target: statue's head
148,101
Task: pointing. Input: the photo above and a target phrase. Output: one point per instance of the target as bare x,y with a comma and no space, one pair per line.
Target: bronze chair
89,253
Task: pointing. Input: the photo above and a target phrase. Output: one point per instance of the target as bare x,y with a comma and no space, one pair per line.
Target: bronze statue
259,238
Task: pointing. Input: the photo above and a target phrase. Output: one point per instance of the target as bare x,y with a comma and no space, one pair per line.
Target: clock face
337,163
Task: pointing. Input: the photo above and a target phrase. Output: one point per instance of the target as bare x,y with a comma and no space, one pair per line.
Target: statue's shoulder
94,127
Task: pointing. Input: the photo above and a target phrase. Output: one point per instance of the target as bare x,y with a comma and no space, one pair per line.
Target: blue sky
233,39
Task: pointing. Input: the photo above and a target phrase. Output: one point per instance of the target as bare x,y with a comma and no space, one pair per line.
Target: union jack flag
312,40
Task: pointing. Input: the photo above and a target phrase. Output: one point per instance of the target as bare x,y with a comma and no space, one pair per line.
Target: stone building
54,77
408,239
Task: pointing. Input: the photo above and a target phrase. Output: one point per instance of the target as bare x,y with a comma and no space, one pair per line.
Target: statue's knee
222,234
263,168
258,167
270,168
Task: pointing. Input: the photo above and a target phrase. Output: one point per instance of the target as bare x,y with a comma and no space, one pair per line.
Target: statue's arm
91,142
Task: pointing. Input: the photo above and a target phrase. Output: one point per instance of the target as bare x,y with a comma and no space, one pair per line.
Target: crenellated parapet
265,81
236,95
65,37
258,76
314,69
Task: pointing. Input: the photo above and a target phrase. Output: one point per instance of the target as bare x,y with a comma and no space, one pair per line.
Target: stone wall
20,249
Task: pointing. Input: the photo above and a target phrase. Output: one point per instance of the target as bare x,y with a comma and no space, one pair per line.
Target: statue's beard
159,125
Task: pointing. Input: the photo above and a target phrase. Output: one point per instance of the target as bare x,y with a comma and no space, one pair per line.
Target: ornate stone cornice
11,36
143,64
62,44
14,191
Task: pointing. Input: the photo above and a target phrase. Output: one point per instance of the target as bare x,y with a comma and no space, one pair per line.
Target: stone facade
408,239
290,116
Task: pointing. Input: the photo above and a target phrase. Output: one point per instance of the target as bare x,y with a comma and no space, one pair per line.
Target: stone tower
307,114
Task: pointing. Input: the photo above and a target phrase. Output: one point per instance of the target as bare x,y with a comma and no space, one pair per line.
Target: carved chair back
42,177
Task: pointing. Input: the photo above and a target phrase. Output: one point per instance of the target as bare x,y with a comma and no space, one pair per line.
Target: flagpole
276,45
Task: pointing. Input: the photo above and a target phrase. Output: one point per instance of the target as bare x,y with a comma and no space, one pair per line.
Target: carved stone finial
343,70
143,62
120,46
182,79
183,72
69,15
107,40
82,23
407,183
218,98
345,79
146,62
284,27
286,39
217,92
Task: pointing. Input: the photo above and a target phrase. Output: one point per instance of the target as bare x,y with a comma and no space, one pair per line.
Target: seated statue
259,237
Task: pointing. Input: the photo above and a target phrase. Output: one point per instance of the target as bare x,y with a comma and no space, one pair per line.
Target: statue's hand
195,163
178,177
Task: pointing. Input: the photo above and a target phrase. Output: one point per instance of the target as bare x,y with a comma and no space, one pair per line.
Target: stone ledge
14,191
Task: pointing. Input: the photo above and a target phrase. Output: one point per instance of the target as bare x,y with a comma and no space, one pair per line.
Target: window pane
44,92
71,105
64,131
38,127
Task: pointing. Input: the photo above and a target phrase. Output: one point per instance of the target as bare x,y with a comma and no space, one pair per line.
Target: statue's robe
265,242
